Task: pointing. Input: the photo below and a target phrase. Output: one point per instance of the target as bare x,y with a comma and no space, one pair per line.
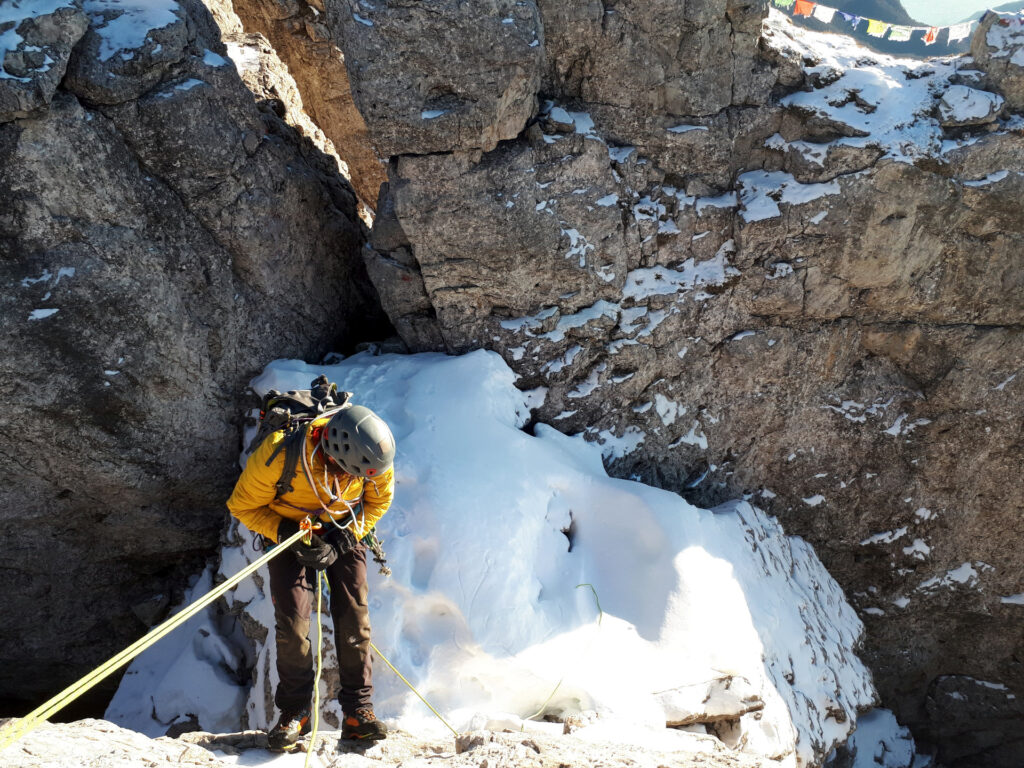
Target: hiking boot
285,735
363,724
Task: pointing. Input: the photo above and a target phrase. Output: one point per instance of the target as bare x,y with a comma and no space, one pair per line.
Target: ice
362,20
687,128
431,114
607,200
814,500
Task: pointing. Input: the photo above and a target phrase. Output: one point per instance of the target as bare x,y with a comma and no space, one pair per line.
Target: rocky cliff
163,233
749,261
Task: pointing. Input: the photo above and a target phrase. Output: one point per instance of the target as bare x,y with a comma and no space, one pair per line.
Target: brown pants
292,588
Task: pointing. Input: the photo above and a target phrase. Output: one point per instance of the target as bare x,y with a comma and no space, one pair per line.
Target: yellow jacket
254,500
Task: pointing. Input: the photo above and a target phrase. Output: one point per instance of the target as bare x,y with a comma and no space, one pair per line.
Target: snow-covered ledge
526,579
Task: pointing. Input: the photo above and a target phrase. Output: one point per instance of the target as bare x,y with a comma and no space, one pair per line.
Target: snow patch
130,27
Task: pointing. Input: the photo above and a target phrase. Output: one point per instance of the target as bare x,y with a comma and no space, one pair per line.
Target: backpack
292,412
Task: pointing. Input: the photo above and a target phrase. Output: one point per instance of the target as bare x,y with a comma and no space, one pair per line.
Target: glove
318,554
286,529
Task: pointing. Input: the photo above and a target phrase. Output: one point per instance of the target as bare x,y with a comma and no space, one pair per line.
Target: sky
944,12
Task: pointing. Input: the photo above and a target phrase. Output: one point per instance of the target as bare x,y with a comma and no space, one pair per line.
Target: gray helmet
360,441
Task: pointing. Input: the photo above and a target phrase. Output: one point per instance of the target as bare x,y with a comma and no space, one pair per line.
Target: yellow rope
16,730
411,687
319,665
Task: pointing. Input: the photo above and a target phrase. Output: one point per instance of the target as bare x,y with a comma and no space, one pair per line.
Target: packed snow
15,12
881,742
527,582
124,25
880,100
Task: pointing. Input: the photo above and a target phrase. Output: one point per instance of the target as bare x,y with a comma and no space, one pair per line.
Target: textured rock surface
157,253
299,36
769,278
35,47
997,48
471,71
97,743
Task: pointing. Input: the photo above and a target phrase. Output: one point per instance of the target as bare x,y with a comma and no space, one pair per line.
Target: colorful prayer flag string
897,32
803,8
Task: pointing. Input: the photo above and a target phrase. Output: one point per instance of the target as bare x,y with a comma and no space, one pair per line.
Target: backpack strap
292,445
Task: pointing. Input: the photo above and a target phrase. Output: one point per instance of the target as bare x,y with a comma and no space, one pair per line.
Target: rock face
998,49
297,32
36,46
161,237
472,70
749,263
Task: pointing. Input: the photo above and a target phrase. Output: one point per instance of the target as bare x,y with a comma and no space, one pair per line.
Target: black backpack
292,412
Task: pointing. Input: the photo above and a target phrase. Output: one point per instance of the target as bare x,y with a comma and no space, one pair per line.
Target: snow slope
525,579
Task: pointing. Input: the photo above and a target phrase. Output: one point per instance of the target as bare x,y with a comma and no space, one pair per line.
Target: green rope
412,687
600,615
319,665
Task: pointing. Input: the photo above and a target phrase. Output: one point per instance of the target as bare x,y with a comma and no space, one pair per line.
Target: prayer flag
931,35
852,18
900,33
803,8
958,31
784,3
824,14
877,28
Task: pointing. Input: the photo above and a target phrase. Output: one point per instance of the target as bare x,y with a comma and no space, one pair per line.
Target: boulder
127,49
35,45
997,48
963,106
443,76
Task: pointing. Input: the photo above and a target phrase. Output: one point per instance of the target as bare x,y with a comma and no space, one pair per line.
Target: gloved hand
318,554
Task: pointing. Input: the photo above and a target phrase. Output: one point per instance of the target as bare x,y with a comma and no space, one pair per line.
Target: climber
345,485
